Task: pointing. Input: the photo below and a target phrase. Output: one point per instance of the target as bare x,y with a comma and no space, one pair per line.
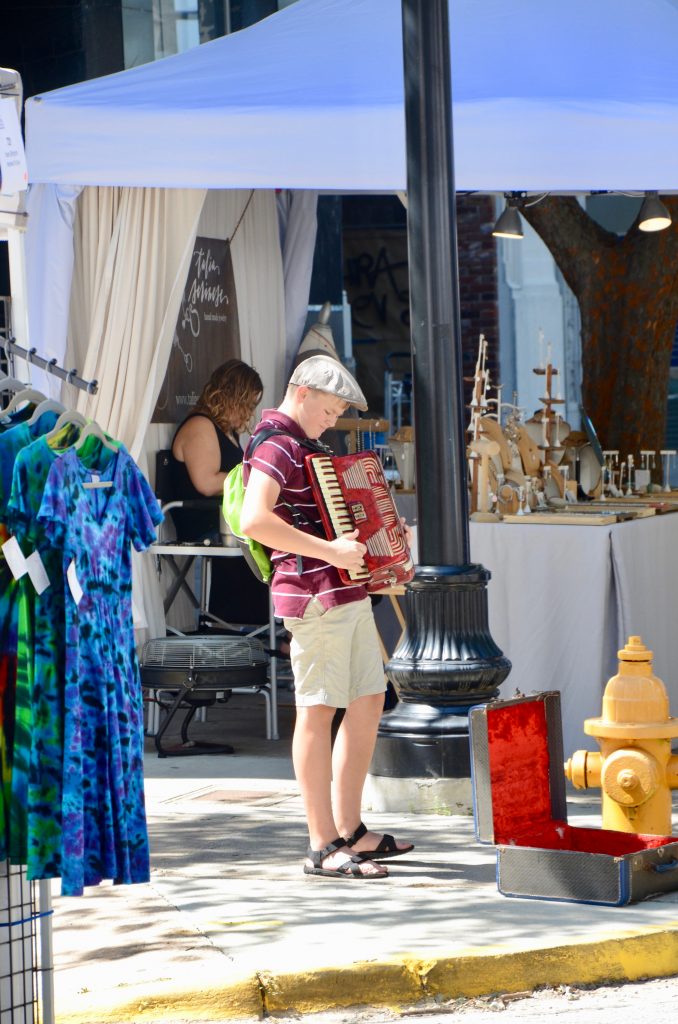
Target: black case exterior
571,875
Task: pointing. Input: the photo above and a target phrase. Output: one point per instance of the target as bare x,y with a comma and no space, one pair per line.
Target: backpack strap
267,432
306,442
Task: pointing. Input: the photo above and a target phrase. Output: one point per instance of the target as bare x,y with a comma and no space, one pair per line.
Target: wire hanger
94,430
49,405
25,395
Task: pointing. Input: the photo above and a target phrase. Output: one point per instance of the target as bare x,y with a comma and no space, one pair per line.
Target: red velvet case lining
521,797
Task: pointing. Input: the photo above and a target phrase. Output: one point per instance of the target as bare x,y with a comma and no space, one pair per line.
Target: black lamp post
447,659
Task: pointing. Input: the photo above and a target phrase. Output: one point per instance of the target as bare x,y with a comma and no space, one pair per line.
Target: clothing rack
50,365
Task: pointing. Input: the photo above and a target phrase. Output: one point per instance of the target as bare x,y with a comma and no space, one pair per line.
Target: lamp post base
423,741
421,762
418,796
445,663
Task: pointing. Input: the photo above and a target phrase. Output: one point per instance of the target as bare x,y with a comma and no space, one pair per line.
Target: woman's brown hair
231,394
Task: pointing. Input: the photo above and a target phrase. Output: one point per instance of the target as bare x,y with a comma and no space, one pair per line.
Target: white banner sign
13,173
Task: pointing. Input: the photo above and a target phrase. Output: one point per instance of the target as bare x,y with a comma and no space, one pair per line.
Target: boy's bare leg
351,756
312,757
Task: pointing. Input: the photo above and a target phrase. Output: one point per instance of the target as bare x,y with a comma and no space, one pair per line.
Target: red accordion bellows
353,494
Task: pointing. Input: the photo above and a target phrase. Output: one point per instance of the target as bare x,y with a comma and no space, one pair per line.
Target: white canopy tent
547,97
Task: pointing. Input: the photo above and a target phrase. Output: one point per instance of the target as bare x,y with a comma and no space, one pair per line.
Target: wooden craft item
373,426
485,448
569,518
516,476
580,518
620,508
558,479
508,501
535,429
492,429
590,471
529,452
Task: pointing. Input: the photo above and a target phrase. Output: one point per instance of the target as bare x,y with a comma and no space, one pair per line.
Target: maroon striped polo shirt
282,459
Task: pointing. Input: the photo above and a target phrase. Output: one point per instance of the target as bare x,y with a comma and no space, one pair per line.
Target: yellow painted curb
238,1000
646,955
385,983
650,953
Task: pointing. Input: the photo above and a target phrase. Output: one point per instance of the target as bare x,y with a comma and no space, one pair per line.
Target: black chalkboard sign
206,333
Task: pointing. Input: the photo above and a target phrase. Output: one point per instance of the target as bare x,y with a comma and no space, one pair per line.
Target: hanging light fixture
508,223
653,214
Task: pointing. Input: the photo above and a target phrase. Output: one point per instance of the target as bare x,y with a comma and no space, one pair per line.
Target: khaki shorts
335,654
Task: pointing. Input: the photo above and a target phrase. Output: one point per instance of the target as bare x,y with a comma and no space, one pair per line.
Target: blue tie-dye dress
35,812
103,818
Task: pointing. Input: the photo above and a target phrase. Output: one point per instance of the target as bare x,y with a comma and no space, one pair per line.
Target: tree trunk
627,289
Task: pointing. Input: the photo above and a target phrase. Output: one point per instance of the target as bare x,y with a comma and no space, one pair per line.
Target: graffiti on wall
376,282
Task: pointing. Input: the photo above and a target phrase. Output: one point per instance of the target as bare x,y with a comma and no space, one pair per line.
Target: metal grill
203,654
191,672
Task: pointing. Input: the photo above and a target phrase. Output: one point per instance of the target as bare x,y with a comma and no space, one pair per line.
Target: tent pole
446,660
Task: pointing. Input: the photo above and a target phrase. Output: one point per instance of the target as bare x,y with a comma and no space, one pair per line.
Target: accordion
352,493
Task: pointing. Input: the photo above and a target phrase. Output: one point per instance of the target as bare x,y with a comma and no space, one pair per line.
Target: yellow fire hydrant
634,767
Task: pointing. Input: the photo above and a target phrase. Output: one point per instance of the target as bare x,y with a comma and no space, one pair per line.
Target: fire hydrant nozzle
634,768
583,768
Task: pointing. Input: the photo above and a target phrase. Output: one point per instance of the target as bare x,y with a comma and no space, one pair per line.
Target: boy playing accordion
335,650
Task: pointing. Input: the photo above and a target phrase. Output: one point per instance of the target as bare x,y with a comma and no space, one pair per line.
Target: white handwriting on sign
201,291
204,263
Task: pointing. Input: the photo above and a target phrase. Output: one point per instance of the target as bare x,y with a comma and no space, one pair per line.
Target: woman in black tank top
208,455
205,447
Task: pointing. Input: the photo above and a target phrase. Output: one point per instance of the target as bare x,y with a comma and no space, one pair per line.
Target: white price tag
37,572
73,583
96,481
14,557
13,174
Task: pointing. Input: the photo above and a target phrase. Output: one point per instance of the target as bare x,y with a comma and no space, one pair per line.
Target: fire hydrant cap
634,650
635,702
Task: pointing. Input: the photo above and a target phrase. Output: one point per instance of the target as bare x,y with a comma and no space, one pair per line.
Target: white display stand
562,600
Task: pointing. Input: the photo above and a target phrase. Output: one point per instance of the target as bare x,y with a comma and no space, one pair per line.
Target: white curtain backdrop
135,246
258,274
132,253
298,229
51,212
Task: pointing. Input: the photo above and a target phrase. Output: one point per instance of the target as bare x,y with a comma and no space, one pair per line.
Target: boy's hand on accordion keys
346,552
408,532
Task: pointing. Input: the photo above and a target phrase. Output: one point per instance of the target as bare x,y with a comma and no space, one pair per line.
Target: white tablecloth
563,599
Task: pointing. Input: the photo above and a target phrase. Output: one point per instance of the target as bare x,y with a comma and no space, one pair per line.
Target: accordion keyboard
335,505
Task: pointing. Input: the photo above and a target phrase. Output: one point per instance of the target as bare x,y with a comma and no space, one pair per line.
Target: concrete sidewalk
229,926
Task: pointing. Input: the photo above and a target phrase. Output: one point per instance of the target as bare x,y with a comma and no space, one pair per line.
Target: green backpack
256,555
